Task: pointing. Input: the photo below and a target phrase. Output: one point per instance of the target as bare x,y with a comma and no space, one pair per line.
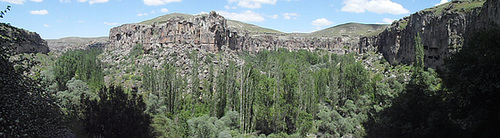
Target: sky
54,19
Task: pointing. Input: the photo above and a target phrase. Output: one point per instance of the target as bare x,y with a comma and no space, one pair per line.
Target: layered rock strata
211,33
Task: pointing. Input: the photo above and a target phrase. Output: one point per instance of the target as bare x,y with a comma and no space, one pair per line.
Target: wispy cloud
159,2
387,20
142,14
253,4
14,1
39,12
164,10
247,16
376,6
442,2
46,25
107,23
321,22
288,16
94,1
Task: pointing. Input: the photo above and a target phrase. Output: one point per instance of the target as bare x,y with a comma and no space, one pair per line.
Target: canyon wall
21,41
211,33
442,29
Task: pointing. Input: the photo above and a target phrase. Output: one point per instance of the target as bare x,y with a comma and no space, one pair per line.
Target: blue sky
92,18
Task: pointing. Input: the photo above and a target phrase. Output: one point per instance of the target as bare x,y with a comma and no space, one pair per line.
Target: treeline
272,93
269,94
80,64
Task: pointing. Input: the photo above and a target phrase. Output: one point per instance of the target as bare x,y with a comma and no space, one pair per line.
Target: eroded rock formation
211,33
441,28
22,41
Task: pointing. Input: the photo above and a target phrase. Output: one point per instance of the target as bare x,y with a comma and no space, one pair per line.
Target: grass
352,29
462,6
403,24
231,23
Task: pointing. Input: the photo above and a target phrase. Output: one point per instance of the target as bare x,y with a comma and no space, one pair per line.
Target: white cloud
159,2
93,1
202,12
321,22
81,21
377,6
288,16
164,10
14,1
98,1
442,2
247,16
274,16
106,23
229,7
253,4
387,20
46,25
64,1
37,0
142,14
40,12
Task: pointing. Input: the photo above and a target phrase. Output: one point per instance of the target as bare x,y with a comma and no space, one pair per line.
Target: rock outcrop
211,33
21,41
65,44
441,28
489,16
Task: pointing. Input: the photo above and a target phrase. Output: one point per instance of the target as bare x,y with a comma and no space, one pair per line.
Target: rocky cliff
21,41
211,33
489,16
442,29
65,44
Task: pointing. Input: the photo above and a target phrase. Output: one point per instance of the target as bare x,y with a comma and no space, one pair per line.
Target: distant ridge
351,29
231,23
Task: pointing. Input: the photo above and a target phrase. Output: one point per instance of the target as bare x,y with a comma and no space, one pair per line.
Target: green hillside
352,29
232,23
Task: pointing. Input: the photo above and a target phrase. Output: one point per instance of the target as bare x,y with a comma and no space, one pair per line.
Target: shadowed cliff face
442,29
22,41
211,33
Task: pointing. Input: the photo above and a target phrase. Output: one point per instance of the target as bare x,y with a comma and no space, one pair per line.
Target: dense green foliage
116,114
274,92
267,94
81,64
473,82
27,109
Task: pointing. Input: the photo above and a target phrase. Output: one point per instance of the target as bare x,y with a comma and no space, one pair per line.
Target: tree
116,114
28,110
473,81
2,13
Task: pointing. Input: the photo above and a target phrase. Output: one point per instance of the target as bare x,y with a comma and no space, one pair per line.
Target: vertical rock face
211,33
441,28
206,32
489,16
22,41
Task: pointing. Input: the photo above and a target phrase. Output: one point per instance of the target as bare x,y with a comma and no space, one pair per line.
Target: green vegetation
352,29
81,64
268,94
250,27
464,6
231,23
116,114
28,109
